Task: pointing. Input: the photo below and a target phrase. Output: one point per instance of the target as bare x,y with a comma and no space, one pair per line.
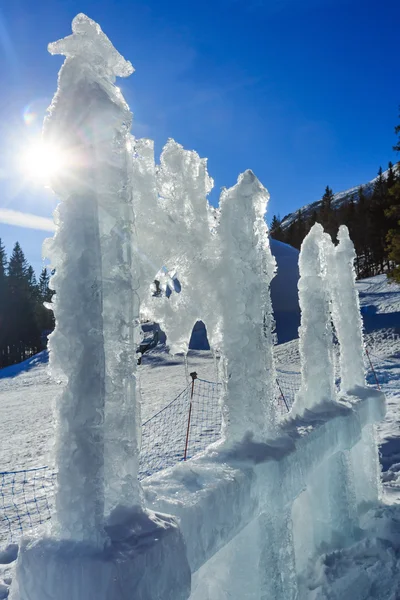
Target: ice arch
284,296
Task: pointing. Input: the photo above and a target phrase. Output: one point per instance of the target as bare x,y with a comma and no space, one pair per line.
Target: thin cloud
20,219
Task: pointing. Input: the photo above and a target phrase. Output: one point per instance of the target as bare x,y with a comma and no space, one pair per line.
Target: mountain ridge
338,199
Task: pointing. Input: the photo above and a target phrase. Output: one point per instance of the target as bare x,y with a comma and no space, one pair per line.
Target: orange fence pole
193,376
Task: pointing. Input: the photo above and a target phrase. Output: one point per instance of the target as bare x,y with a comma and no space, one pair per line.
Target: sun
41,162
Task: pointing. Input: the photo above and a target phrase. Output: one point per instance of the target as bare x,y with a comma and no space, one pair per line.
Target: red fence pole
373,370
193,376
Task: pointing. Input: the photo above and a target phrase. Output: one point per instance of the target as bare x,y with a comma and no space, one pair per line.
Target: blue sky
304,93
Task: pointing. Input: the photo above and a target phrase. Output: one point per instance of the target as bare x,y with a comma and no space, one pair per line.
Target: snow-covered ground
27,393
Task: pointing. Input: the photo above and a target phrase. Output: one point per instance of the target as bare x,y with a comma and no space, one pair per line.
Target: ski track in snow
28,393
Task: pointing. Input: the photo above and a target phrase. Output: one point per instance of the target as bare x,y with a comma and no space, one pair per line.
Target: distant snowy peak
338,199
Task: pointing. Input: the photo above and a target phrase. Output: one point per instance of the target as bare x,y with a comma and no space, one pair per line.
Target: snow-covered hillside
338,199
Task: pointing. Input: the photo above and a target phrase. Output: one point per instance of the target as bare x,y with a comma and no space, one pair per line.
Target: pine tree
45,314
276,231
361,234
312,220
3,307
275,223
396,147
3,261
393,218
327,214
300,229
391,177
24,334
18,266
44,290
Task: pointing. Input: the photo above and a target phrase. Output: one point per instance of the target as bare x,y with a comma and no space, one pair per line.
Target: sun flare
41,162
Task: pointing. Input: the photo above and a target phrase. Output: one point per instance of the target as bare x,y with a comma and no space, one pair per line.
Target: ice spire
315,333
346,313
245,272
96,306
89,44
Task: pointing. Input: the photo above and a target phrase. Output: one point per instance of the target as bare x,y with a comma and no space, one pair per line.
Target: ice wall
315,332
218,268
96,305
245,270
176,238
248,524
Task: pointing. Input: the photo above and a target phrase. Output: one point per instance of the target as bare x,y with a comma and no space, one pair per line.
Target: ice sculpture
224,266
102,539
315,333
177,240
90,119
346,313
245,270
241,506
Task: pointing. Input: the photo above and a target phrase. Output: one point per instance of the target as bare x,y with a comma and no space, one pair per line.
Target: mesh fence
287,385
205,417
168,435
188,425
25,500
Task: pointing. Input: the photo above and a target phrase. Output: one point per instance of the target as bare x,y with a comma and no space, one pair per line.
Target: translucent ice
175,237
245,270
315,333
96,305
214,266
346,313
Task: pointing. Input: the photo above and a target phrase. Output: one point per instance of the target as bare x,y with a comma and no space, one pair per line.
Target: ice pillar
96,308
246,270
315,333
346,313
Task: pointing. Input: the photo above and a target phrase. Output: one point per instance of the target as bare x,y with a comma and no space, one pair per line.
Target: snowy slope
338,199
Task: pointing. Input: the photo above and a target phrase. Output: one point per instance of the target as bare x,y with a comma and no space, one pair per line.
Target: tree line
24,320
372,216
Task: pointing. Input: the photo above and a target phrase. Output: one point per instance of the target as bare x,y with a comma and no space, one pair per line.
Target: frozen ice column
346,313
315,333
348,323
246,270
95,306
